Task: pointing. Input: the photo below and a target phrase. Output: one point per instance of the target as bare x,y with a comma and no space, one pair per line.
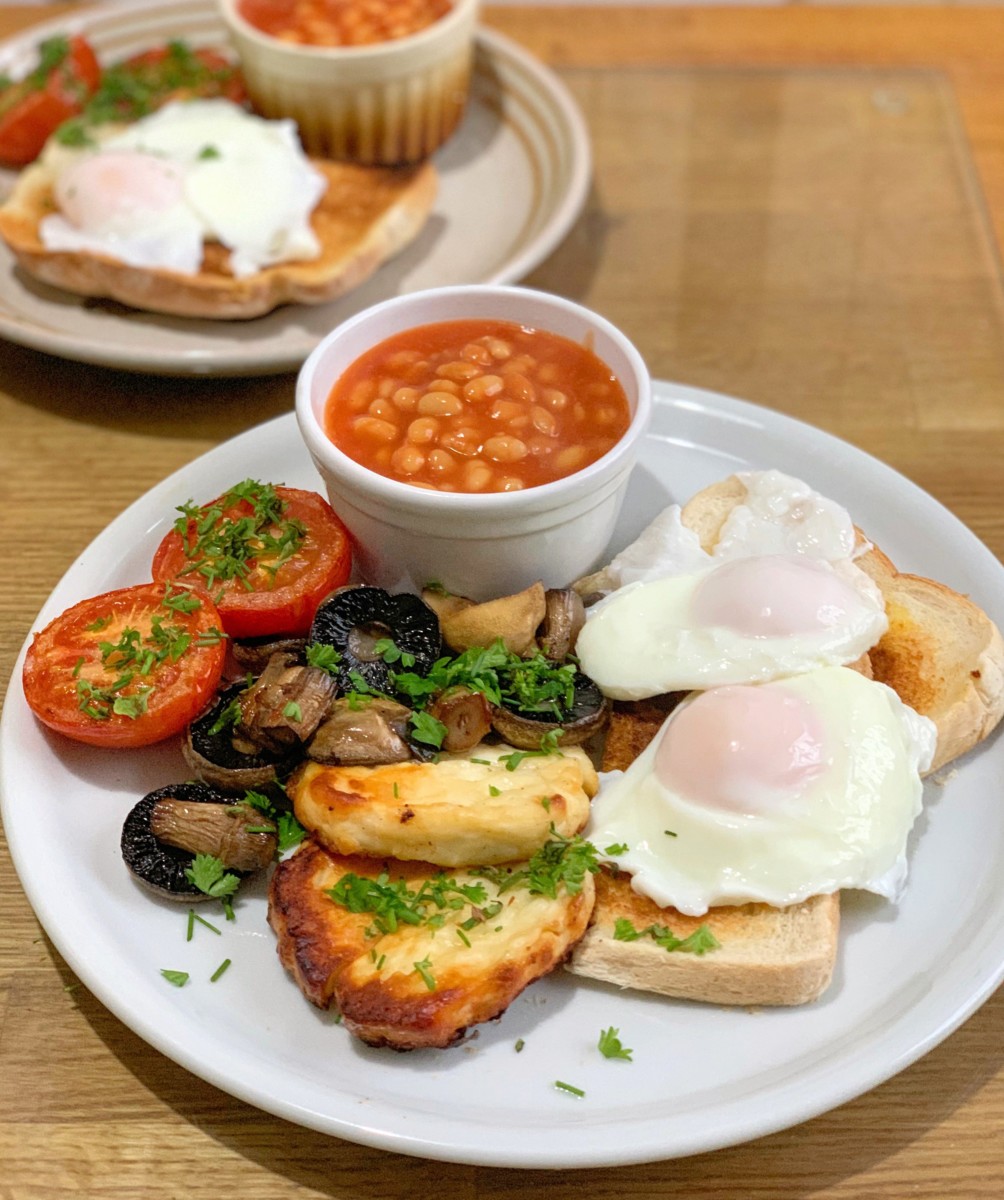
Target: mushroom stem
223,830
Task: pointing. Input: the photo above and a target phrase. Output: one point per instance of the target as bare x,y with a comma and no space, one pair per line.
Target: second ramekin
390,103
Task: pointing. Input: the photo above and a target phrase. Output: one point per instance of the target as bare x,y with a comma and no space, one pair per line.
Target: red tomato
267,555
30,111
127,668
176,71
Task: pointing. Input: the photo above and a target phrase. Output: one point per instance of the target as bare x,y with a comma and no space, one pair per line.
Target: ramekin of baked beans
481,437
380,82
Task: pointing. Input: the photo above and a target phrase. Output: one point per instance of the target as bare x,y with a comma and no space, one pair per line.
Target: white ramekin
389,103
476,545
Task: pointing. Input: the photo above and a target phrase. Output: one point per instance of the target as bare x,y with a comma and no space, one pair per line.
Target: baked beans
476,406
341,22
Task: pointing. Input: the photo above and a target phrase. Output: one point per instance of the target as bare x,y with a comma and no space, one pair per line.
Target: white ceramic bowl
388,103
479,545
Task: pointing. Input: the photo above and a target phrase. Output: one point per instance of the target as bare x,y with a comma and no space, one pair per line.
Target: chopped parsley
210,876
548,745
560,862
391,653
244,531
133,658
323,656
616,848
424,968
177,978
292,711
427,729
531,685
288,829
699,942
610,1045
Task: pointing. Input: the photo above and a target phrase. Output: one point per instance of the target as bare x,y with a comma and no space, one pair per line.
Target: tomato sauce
477,406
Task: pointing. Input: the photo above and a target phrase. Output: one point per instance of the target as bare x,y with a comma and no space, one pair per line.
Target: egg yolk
118,189
773,596
742,748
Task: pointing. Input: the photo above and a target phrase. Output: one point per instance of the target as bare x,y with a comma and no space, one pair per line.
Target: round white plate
513,179
702,1076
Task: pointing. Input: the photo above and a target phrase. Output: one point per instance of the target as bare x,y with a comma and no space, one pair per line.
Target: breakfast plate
701,1076
522,138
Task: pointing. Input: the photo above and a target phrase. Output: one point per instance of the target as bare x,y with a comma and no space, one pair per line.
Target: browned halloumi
463,810
423,984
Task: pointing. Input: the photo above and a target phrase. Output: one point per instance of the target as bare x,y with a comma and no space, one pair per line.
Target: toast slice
366,216
764,955
418,982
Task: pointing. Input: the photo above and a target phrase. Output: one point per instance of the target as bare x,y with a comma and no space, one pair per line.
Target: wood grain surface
797,206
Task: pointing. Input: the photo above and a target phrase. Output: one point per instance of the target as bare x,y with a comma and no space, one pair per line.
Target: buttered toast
366,215
941,654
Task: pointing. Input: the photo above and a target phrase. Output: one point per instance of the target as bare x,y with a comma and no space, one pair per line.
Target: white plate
513,179
702,1076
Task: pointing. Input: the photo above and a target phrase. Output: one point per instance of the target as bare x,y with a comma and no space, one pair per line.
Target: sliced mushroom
564,616
370,733
285,705
445,604
158,865
513,619
356,619
466,715
220,756
233,833
589,713
252,654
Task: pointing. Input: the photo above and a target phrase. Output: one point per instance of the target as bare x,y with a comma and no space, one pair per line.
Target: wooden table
797,206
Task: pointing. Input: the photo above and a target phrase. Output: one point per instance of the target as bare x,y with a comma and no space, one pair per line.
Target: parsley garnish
560,862
616,848
246,530
610,1045
323,656
219,970
519,1045
548,745
390,652
178,978
571,1089
426,729
209,875
229,715
699,942
292,711
424,968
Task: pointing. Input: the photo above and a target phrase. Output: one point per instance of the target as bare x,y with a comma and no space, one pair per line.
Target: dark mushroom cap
215,760
524,729
155,864
354,618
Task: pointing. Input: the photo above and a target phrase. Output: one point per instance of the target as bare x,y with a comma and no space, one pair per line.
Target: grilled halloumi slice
412,985
462,810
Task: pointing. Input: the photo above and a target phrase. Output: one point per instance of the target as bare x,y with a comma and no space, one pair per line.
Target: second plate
522,141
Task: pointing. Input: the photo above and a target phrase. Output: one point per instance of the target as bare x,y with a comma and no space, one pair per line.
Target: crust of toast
768,956
365,217
942,654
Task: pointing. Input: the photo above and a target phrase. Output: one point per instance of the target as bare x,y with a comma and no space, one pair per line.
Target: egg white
848,828
246,184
